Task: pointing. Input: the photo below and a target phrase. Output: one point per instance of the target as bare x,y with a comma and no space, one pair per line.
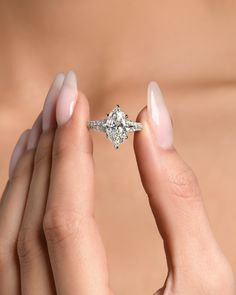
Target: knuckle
28,244
66,145
184,184
62,148
23,168
60,151
59,225
43,152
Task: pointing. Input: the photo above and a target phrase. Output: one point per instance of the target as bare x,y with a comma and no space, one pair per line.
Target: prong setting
116,126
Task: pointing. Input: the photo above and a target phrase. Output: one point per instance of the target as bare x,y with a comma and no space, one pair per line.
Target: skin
198,80
47,219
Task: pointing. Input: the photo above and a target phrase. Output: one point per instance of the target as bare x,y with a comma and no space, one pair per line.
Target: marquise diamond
116,126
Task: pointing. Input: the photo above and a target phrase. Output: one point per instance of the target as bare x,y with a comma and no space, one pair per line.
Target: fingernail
35,133
49,109
67,98
18,151
160,116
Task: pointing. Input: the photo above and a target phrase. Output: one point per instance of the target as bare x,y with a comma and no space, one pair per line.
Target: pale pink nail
49,109
18,151
160,116
67,98
35,133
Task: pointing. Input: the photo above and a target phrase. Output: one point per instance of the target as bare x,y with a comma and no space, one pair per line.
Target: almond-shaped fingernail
49,109
159,114
35,133
18,151
67,99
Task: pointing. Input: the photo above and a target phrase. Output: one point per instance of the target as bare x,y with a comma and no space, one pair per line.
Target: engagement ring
116,125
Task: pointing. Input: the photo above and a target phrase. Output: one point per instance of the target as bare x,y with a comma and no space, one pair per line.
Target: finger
74,244
35,133
172,188
11,212
36,274
18,151
4,192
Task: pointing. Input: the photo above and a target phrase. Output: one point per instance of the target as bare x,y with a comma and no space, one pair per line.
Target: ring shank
100,125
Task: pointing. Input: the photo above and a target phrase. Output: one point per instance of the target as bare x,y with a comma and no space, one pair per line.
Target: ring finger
35,269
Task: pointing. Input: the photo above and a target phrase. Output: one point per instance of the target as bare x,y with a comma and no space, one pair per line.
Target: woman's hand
46,213
49,240
195,262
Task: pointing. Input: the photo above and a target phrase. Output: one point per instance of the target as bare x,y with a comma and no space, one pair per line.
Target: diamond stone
116,126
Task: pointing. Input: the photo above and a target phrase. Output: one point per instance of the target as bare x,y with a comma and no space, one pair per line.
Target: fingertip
83,106
140,137
49,109
79,122
141,117
75,132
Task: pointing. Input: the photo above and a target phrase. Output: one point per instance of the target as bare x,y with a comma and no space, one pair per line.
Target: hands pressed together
49,240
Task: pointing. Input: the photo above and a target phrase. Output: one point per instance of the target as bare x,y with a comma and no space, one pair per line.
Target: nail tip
153,85
58,80
72,72
154,92
71,78
160,116
59,76
66,99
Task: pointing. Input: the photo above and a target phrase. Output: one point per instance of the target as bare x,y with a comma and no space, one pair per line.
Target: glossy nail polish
160,117
35,133
49,109
67,99
18,151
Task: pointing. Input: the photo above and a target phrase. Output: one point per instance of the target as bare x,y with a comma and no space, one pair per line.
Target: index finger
75,248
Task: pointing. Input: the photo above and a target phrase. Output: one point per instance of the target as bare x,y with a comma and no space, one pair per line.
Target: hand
49,241
195,262
46,212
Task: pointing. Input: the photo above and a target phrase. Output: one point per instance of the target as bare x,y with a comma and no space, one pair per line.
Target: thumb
171,186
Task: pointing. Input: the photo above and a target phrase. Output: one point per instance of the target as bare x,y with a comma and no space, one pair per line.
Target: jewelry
116,125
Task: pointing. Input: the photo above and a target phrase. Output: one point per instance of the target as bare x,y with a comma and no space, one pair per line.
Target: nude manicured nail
67,99
160,116
49,109
35,133
18,151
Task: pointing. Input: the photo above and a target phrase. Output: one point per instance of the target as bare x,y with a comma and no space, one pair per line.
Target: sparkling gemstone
116,126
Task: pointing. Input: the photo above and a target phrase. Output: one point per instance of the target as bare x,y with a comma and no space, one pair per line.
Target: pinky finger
11,211
17,153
